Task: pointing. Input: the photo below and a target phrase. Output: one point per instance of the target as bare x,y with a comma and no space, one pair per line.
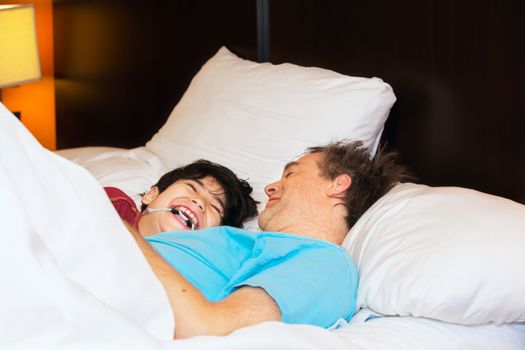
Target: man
309,212
196,196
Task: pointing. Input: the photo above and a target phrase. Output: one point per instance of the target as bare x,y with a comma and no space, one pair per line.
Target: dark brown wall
122,65
457,69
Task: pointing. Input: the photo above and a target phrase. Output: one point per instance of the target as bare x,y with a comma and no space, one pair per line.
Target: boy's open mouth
186,216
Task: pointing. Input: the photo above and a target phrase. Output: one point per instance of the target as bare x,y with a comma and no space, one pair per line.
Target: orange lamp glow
36,100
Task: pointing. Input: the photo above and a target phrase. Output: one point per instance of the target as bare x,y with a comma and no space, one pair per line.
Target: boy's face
201,201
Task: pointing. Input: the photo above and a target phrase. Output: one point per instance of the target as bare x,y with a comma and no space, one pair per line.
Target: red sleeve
124,205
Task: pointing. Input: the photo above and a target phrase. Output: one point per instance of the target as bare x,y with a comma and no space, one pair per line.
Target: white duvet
72,277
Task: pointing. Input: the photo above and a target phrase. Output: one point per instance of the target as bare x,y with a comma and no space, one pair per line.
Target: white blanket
73,278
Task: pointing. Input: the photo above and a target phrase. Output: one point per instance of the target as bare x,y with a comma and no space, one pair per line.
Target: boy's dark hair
371,178
239,204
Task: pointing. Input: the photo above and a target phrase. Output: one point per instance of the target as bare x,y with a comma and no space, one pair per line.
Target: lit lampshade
18,45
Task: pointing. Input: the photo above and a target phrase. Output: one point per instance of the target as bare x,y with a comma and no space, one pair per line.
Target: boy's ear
340,185
149,196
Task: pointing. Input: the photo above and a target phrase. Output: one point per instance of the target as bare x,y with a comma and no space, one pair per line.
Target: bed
440,267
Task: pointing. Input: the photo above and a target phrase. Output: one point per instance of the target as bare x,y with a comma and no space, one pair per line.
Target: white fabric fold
72,276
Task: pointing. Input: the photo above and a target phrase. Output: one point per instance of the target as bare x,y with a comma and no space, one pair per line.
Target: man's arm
194,314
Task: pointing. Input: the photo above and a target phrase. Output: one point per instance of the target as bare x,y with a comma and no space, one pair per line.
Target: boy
196,196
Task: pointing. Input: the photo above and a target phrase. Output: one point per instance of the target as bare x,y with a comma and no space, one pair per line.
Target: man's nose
271,188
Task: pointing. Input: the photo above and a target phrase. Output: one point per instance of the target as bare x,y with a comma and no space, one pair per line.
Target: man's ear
340,185
149,196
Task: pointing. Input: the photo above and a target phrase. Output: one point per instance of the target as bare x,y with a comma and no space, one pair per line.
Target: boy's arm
194,314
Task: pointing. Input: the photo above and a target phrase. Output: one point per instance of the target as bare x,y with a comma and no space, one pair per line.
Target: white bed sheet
410,333
73,278
390,333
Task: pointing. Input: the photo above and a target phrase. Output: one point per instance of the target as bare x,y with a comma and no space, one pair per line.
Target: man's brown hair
371,178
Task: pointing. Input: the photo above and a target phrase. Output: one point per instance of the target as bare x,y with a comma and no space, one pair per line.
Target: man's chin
263,219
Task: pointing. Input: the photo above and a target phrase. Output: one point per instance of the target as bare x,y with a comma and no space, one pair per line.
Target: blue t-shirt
312,281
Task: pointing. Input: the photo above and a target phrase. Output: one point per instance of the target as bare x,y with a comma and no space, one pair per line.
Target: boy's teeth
183,213
183,216
189,215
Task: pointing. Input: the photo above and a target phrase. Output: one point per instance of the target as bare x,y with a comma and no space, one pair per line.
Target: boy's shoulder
124,205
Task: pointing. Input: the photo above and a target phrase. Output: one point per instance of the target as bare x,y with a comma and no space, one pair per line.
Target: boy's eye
288,174
218,209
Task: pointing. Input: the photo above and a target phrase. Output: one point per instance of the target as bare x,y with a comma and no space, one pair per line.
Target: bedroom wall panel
456,67
121,65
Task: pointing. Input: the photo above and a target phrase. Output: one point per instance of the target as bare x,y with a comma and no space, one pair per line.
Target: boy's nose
199,203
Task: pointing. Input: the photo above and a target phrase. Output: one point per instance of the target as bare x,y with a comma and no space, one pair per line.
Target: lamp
19,62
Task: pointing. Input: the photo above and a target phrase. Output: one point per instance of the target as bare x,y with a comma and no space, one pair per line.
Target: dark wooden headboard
456,67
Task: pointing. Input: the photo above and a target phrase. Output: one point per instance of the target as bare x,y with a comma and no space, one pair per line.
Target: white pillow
446,253
133,171
256,117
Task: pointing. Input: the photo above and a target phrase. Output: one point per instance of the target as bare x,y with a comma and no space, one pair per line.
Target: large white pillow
446,253
255,117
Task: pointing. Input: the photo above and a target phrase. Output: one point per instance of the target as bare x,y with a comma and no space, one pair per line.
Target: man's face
296,197
201,201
